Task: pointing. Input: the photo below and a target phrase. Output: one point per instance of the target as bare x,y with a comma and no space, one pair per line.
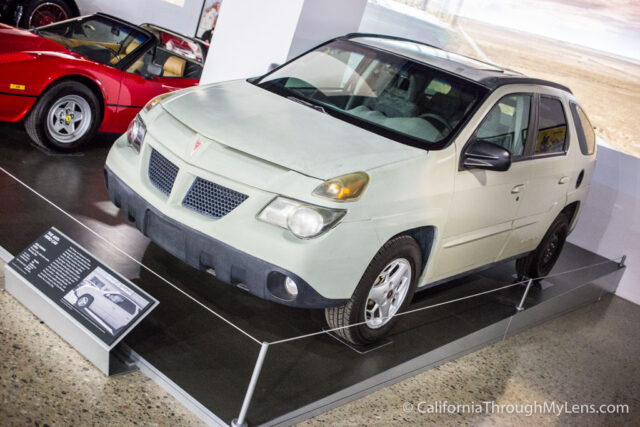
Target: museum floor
588,356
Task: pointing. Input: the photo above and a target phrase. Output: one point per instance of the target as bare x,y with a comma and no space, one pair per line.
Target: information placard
103,302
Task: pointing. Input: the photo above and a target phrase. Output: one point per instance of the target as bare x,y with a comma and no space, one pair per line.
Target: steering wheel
444,124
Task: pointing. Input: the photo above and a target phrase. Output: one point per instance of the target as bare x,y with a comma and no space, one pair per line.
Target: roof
489,75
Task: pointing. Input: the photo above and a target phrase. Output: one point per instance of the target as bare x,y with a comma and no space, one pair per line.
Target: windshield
385,93
95,37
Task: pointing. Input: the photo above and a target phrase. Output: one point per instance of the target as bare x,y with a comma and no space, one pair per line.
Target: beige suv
357,173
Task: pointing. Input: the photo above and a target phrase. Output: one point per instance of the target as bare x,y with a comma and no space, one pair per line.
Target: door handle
563,180
517,188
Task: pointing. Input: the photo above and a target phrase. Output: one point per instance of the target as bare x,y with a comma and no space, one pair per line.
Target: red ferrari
74,78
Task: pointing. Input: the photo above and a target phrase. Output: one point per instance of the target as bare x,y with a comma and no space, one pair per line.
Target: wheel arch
571,211
425,236
87,81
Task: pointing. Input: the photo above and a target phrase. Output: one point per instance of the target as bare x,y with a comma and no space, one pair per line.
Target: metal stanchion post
622,261
520,306
241,420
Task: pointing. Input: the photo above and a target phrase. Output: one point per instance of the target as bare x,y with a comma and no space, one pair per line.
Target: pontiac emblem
196,146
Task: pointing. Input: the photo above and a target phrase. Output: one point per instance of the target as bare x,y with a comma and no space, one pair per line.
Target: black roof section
489,75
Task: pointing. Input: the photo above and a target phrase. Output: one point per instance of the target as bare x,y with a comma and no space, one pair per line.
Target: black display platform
211,361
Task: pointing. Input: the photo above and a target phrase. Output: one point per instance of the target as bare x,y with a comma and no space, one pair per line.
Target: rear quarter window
586,135
552,127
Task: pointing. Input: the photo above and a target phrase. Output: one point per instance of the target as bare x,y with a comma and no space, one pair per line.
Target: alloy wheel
387,293
45,14
69,119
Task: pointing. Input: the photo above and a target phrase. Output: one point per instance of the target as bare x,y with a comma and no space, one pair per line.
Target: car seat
136,66
398,99
174,67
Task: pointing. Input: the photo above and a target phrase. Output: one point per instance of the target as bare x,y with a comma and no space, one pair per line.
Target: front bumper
203,252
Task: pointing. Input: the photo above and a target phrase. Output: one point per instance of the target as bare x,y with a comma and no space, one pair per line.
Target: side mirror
152,70
485,155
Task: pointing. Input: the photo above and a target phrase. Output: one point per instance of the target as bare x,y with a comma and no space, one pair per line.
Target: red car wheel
45,12
66,117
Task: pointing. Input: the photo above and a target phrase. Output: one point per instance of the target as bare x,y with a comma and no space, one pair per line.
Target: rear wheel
540,262
37,13
65,117
385,289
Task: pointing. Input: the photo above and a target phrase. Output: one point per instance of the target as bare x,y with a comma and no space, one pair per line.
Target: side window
586,135
552,127
507,123
138,66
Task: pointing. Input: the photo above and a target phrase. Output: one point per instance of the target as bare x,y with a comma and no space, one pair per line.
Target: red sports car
74,78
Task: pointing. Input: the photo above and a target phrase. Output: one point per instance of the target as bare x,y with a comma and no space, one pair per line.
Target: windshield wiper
308,104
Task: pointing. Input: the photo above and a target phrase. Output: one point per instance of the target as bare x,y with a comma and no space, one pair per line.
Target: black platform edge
552,307
172,388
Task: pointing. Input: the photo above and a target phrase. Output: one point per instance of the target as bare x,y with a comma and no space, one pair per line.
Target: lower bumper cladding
203,252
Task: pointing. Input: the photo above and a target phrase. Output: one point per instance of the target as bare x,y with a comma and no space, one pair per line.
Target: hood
17,40
270,127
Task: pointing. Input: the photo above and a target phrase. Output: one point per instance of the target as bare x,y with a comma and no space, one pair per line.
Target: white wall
253,34
321,20
609,222
250,35
181,16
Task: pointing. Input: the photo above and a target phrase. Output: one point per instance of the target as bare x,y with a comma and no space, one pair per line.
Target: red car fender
34,72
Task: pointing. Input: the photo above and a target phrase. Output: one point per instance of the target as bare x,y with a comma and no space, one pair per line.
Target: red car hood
16,40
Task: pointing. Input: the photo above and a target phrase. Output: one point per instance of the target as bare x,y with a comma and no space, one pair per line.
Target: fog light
291,286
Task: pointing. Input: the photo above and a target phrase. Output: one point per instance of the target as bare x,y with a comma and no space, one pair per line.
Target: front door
485,203
136,90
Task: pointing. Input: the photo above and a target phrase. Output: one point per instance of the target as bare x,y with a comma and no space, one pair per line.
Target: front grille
211,199
162,173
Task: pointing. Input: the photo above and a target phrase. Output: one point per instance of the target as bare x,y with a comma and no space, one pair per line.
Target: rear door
550,173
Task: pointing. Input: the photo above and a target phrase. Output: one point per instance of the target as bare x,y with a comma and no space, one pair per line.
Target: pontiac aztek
351,176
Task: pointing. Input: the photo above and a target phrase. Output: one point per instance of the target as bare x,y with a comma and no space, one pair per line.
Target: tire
43,12
405,252
62,102
540,262
84,301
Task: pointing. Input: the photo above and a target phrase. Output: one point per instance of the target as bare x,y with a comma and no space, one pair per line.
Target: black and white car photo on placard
106,301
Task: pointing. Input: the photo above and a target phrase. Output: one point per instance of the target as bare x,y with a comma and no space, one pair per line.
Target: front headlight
136,133
155,101
303,220
345,188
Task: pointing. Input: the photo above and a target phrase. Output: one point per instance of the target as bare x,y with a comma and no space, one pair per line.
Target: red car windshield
177,44
96,37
